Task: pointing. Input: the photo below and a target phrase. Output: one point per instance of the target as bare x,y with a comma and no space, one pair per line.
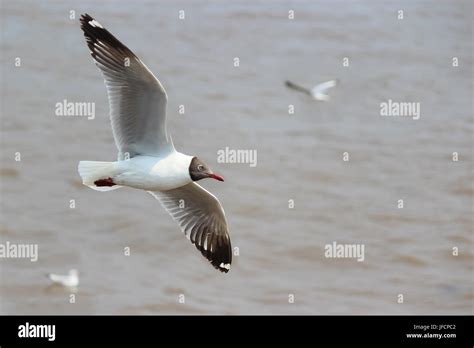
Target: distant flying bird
147,159
70,280
318,92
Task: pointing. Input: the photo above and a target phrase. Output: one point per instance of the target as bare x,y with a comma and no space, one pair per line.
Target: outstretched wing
202,219
319,91
137,100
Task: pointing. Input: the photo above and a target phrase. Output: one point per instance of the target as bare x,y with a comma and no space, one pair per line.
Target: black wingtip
85,19
221,259
85,16
221,255
94,32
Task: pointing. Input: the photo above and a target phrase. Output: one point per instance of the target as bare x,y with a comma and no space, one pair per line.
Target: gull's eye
200,167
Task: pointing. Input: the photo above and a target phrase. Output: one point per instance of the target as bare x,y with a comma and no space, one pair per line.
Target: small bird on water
70,280
147,158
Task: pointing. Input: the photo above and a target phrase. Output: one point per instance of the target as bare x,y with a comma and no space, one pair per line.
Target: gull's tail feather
53,277
93,171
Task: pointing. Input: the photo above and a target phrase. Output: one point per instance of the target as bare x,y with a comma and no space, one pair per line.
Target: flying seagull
318,92
147,159
69,280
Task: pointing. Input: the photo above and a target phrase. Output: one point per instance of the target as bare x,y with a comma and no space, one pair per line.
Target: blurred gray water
407,251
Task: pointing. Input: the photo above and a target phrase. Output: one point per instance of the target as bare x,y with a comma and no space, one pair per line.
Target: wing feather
202,219
137,100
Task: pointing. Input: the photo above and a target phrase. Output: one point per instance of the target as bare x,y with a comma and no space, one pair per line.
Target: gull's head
74,272
199,170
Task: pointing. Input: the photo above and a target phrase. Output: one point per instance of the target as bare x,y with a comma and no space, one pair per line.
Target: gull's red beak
217,177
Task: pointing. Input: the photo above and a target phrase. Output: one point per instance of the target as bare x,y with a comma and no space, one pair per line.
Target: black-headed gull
70,280
147,159
318,92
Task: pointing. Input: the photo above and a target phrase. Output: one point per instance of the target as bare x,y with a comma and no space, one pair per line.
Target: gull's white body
70,280
142,172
